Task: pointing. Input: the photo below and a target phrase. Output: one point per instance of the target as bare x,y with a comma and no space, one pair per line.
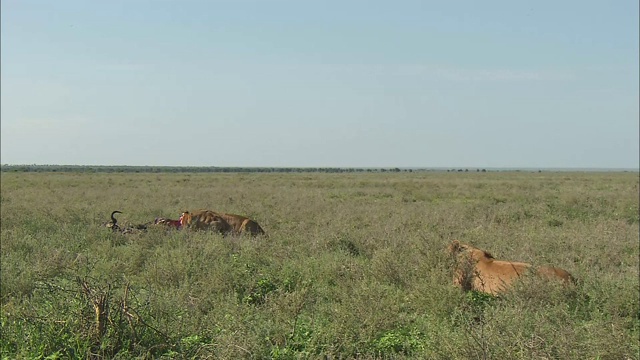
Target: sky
297,83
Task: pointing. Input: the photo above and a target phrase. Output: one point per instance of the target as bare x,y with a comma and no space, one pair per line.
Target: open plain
354,266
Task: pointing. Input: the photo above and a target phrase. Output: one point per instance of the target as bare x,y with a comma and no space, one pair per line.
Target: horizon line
577,168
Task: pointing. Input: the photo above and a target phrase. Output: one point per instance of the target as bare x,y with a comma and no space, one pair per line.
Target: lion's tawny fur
205,220
242,224
478,270
222,222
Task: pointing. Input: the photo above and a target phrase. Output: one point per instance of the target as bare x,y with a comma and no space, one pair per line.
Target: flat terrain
354,266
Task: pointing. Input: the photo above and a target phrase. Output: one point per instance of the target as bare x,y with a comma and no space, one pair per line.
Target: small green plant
632,215
258,293
297,344
554,222
400,341
479,299
191,344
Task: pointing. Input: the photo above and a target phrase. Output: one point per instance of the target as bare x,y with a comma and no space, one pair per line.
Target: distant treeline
203,169
178,169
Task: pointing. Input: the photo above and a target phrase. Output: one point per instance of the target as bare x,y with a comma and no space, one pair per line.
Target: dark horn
113,218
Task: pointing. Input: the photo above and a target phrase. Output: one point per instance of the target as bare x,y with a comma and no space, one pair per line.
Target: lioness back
551,272
251,227
242,224
205,220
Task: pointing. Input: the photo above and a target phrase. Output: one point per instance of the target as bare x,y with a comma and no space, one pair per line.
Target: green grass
354,266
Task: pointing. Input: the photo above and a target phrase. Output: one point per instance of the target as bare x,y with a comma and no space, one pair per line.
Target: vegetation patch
355,266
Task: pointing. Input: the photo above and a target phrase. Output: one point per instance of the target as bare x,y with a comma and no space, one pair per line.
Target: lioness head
185,219
454,248
457,248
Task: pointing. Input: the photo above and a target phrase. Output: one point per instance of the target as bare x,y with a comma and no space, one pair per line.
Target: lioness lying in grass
478,270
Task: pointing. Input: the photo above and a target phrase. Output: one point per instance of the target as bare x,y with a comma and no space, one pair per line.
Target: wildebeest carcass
113,225
177,224
124,229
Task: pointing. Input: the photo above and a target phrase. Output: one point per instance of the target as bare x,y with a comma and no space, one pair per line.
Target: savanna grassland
354,266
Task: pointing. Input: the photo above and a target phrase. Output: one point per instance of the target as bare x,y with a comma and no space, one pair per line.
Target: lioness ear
455,246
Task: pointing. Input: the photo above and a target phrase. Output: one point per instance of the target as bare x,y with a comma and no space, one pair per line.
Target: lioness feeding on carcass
220,222
204,220
199,220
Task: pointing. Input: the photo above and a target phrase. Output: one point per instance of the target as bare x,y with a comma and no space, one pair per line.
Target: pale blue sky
537,84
